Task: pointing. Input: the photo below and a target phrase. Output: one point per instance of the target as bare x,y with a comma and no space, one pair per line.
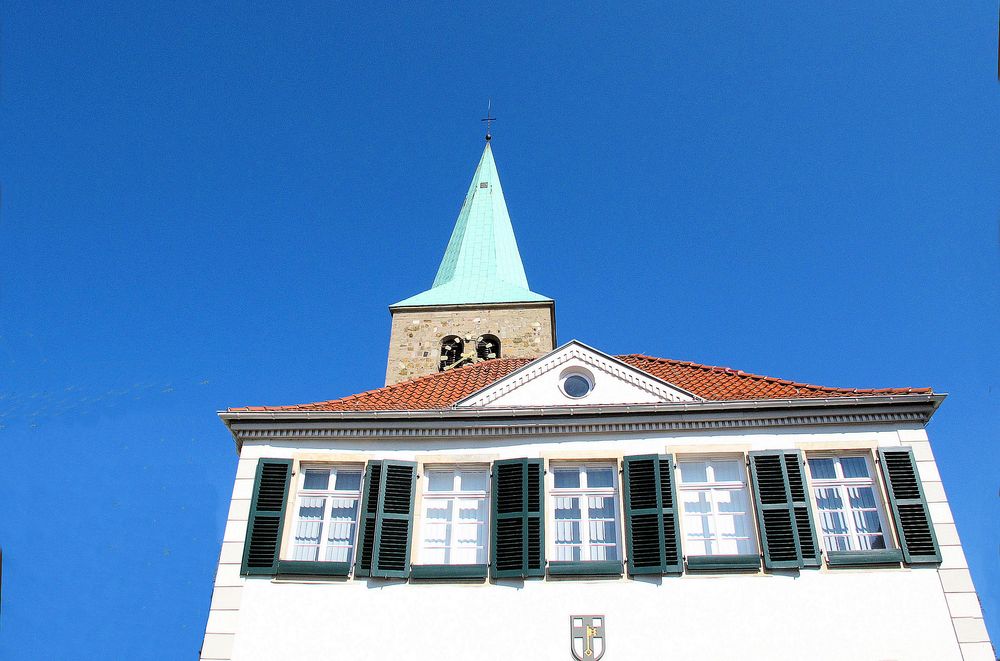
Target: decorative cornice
546,430
472,306
904,410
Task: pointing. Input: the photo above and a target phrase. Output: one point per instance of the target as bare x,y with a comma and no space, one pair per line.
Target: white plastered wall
878,614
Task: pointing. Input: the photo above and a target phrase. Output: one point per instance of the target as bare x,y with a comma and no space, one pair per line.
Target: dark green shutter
368,520
909,506
517,525
652,532
802,507
507,529
784,514
267,516
535,498
394,532
386,524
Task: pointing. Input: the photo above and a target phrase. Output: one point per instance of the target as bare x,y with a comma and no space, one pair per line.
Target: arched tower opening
488,347
452,348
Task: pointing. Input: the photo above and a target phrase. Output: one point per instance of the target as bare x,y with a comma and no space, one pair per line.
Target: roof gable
609,381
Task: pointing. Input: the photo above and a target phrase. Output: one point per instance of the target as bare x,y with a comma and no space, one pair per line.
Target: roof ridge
762,377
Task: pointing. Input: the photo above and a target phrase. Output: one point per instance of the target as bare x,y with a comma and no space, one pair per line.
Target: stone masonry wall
525,331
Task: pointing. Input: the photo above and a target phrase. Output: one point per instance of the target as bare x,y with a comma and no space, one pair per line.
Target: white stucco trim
227,595
956,581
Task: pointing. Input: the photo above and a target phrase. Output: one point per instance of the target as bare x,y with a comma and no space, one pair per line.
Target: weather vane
489,118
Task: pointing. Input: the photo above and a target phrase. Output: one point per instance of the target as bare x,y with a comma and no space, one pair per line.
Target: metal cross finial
489,118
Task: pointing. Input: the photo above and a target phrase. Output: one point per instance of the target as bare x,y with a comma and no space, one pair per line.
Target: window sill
858,558
595,568
517,574
312,568
448,572
258,571
750,562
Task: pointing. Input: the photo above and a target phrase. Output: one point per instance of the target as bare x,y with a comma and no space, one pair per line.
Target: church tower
479,307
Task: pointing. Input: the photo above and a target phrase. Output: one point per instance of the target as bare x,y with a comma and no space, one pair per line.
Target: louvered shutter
909,506
652,533
508,522
784,514
394,529
517,527
802,509
535,471
267,516
368,520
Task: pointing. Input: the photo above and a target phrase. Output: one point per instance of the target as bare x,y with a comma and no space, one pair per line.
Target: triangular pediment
576,375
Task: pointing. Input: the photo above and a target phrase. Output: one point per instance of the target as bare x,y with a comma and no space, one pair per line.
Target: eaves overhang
500,305
473,422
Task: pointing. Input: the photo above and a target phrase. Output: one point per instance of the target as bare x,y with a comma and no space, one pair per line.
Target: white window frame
583,492
327,494
426,495
842,483
713,486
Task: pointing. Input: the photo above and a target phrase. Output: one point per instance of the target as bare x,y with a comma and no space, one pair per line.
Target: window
488,347
849,509
576,382
454,516
716,507
327,515
585,509
451,351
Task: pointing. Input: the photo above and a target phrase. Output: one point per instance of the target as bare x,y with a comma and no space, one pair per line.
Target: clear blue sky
206,205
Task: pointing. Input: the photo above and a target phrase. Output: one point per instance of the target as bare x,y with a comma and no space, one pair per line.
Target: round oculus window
576,386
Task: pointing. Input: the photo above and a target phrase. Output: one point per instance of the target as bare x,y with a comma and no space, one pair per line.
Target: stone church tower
479,307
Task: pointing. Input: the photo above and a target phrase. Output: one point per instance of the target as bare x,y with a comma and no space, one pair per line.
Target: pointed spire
481,263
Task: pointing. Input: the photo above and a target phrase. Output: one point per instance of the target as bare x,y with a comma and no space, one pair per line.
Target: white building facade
582,505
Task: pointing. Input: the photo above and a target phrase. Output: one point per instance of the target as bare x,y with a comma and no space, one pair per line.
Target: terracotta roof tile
440,391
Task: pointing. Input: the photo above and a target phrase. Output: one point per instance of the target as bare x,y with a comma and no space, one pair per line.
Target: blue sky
211,204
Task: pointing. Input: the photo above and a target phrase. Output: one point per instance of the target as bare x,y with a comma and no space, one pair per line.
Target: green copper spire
482,263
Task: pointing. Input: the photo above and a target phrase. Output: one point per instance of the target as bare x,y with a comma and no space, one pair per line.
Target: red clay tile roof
439,391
